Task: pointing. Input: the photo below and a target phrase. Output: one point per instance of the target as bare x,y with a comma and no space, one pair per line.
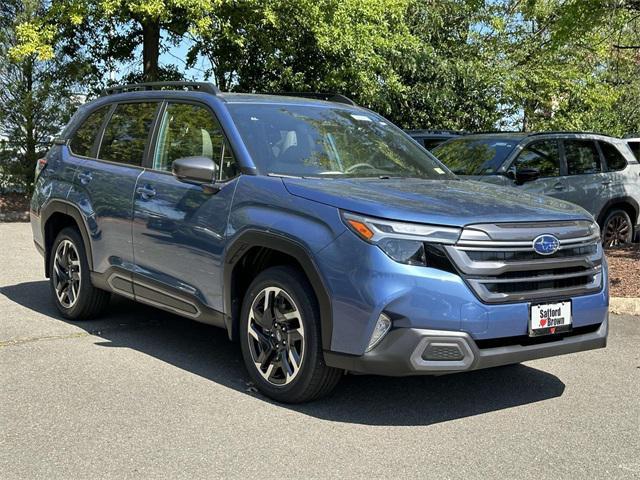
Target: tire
68,261
275,339
617,229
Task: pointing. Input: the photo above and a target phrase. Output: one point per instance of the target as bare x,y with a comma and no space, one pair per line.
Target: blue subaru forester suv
315,232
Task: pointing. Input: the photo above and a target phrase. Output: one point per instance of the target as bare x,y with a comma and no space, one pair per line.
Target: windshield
325,141
474,156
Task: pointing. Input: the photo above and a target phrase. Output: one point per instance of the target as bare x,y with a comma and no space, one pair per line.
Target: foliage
35,97
457,64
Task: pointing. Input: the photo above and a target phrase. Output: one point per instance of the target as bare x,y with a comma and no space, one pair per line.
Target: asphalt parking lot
144,394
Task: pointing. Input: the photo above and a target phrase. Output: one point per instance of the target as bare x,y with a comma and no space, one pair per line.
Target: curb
624,306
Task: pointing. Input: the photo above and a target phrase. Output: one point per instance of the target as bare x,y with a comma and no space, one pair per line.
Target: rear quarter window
84,137
635,148
612,156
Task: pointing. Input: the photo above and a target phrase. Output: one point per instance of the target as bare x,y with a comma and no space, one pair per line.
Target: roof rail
136,87
329,97
571,132
427,131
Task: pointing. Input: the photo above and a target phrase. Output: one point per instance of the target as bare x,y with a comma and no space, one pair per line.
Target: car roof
156,90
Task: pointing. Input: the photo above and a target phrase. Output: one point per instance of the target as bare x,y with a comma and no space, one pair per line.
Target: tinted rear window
582,157
125,136
475,156
612,156
82,141
635,148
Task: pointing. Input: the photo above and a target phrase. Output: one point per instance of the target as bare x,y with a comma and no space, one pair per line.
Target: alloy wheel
617,231
276,336
66,273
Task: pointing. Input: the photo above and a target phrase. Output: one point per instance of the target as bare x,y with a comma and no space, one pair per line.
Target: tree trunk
150,49
30,140
29,156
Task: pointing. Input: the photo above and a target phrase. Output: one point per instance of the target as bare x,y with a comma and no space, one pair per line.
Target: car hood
443,202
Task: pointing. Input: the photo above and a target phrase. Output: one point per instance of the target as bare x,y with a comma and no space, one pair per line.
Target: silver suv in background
597,172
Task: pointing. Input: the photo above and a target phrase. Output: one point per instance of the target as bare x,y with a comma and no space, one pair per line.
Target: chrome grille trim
568,275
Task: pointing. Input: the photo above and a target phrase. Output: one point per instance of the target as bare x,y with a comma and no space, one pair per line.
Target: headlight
408,243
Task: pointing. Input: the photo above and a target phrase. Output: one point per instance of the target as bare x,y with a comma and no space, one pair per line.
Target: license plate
550,318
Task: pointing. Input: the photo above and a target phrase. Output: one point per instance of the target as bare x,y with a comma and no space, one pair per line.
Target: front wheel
280,338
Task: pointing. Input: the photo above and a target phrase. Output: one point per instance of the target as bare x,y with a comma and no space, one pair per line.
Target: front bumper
414,351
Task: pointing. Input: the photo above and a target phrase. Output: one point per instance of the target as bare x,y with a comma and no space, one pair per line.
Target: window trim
533,142
148,159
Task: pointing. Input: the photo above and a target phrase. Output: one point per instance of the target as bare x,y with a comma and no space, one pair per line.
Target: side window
582,157
543,156
635,148
612,156
126,133
82,141
189,130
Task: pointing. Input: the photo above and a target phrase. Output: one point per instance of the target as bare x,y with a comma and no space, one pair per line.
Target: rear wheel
74,295
280,338
617,229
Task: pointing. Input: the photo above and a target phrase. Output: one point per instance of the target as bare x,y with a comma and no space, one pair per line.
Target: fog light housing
383,325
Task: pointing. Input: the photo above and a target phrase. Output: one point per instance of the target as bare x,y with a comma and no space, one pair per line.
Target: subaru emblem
546,244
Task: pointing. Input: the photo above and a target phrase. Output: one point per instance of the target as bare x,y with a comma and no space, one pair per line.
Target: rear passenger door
587,185
108,179
179,228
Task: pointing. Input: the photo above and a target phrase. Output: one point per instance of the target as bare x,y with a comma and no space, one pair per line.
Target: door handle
558,186
146,192
85,177
606,182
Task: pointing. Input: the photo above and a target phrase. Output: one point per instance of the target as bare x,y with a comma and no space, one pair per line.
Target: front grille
480,256
500,265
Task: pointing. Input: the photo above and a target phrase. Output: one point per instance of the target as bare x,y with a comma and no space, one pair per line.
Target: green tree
124,24
35,97
352,47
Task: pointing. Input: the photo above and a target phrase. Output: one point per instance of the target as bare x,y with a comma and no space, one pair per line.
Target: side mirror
55,140
195,169
525,175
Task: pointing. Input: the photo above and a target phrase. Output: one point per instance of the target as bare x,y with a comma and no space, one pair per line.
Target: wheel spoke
265,358
294,358
286,367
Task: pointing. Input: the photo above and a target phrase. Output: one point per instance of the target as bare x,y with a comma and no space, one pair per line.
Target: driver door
544,156
179,228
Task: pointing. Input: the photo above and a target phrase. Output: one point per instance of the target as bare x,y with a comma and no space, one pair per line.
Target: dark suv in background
597,172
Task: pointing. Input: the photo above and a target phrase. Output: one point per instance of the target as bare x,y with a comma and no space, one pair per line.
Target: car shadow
206,351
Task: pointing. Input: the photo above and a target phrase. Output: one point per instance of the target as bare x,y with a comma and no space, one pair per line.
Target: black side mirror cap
199,170
524,175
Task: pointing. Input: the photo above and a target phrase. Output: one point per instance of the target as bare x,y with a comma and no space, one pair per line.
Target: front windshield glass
474,156
325,141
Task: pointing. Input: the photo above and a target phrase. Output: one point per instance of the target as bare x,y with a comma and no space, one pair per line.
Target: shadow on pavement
206,351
